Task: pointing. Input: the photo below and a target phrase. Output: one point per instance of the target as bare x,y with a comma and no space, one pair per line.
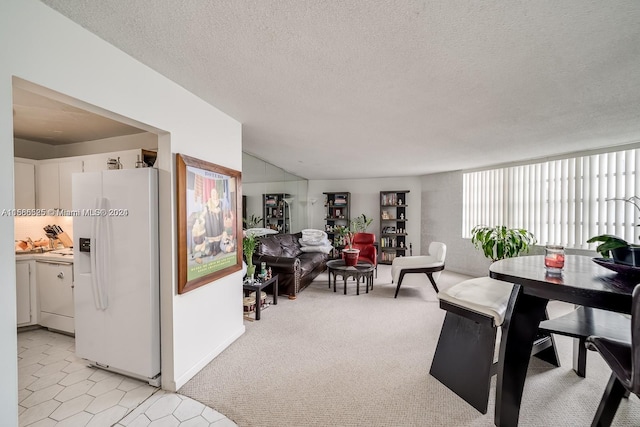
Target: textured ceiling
357,89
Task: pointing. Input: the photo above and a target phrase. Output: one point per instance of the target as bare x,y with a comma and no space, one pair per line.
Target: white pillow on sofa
325,249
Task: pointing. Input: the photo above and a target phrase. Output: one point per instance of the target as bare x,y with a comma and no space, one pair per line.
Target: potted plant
622,251
501,242
360,223
350,253
249,244
252,222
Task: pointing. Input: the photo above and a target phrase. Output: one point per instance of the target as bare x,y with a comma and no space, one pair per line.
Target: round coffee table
363,270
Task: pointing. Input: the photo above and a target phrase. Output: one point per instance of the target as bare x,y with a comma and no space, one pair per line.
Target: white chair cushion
437,254
418,261
483,295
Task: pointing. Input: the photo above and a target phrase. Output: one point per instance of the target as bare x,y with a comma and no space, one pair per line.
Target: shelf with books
336,206
274,212
393,219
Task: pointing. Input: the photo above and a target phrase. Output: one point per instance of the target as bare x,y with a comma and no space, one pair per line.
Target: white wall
442,222
33,150
43,47
365,199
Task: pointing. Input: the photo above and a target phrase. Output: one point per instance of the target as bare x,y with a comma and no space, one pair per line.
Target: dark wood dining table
582,282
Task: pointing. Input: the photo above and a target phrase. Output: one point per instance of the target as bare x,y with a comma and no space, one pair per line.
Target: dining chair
464,356
431,265
463,360
583,322
624,360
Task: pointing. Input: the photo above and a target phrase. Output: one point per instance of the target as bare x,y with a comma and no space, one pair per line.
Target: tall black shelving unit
393,225
275,212
336,206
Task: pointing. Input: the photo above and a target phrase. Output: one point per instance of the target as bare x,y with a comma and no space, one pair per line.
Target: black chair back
635,342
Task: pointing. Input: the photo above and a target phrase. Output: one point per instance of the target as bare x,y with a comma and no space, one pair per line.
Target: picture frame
209,202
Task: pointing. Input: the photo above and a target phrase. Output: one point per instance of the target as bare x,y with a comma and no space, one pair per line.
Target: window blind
562,202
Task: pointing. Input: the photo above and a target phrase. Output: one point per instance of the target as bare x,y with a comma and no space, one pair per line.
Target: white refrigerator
116,269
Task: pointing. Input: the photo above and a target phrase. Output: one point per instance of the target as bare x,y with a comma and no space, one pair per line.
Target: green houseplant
252,222
501,242
360,223
249,244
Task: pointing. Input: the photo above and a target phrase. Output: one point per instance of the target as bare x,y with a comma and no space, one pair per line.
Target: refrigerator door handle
99,255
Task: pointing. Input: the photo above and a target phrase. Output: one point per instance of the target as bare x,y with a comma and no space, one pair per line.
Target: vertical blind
562,202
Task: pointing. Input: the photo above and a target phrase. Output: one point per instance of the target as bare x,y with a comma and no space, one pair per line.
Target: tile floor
55,388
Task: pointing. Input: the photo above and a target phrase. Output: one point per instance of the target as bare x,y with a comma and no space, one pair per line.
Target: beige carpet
328,359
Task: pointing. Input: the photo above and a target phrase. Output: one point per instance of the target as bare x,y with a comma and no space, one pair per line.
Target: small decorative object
263,268
263,297
140,163
351,256
114,164
399,201
269,273
401,216
249,304
554,259
402,245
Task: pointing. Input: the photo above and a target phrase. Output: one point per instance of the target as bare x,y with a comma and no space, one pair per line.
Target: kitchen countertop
64,255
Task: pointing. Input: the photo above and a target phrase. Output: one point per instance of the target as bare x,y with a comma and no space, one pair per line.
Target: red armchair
365,242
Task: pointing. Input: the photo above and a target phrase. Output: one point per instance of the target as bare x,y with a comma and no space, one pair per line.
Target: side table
363,270
257,288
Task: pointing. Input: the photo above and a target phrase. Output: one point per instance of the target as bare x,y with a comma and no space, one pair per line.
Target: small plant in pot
622,251
350,254
249,244
501,242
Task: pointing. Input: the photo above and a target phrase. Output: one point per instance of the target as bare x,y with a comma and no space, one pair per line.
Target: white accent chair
431,265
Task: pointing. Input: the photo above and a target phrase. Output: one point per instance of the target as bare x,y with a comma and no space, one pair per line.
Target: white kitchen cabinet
47,186
26,298
55,287
53,183
52,187
25,184
65,170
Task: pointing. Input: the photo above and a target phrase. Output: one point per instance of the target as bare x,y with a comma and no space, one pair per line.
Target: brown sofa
295,268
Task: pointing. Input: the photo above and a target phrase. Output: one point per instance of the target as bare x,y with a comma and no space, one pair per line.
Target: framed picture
209,222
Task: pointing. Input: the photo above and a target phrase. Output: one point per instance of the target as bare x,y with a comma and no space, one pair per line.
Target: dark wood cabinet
393,225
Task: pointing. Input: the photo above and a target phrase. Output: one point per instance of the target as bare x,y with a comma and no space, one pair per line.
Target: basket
249,304
263,297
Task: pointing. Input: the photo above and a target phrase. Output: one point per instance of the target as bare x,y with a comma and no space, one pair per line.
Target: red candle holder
554,258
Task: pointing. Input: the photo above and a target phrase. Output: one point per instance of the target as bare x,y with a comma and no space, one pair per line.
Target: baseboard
183,379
